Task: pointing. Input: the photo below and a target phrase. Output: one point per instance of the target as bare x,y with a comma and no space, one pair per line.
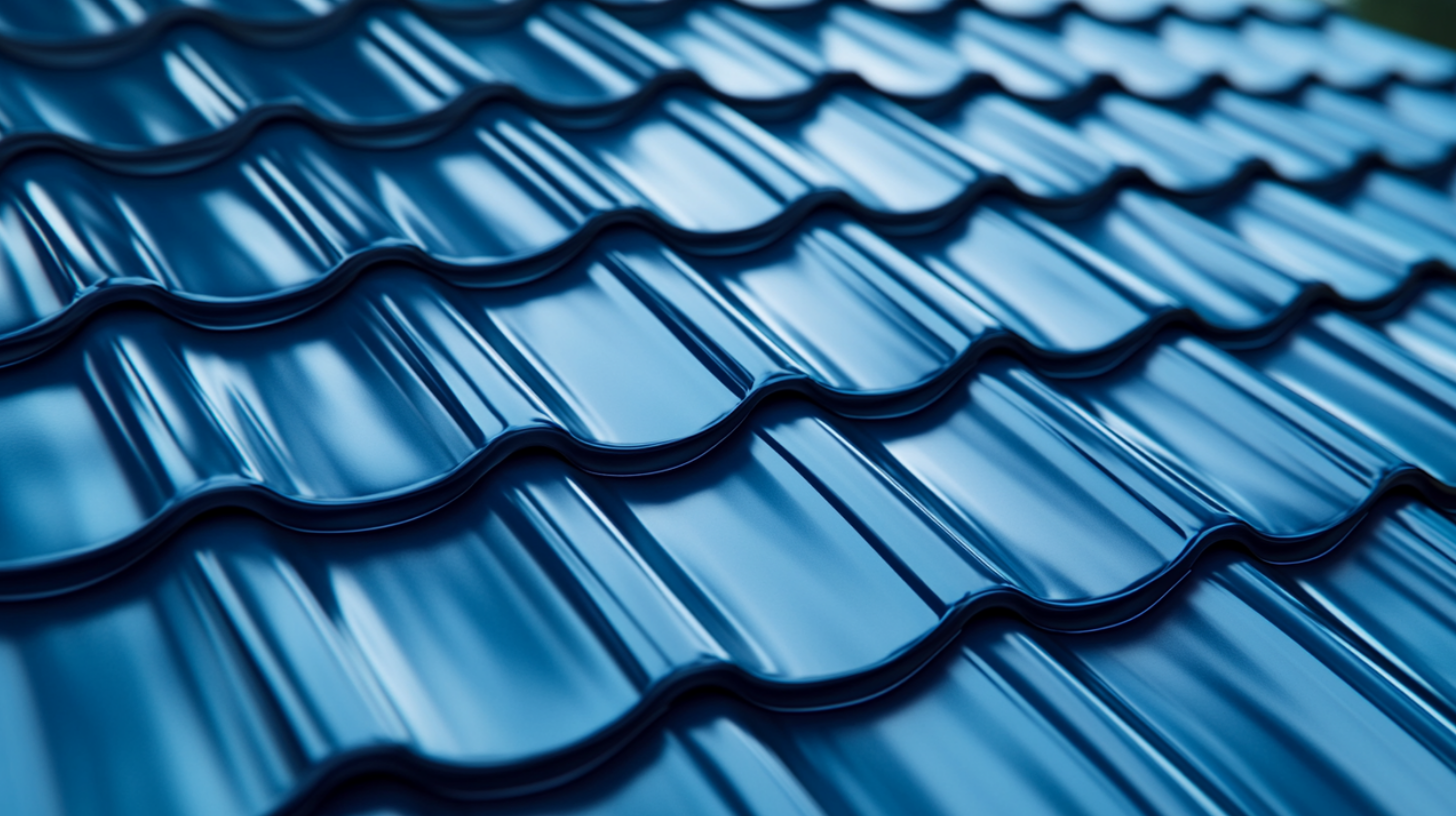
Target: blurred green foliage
1433,20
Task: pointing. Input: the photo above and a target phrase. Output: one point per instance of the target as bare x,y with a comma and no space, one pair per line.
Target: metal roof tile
1251,687
586,361
1076,503
446,381
98,29
388,73
285,223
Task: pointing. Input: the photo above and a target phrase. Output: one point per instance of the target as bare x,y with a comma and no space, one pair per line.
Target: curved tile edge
58,574
239,313
554,768
196,151
65,49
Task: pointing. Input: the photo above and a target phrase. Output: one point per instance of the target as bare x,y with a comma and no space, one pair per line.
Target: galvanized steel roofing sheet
553,404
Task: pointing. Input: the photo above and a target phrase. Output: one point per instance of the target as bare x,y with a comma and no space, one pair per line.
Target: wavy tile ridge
71,49
332,224
526,410
561,768
1398,674
589,66
889,509
550,769
719,327
430,350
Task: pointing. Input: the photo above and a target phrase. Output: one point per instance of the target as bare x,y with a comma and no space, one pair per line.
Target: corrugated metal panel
590,360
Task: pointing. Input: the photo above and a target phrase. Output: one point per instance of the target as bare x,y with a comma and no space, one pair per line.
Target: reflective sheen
447,382
72,26
194,89
822,406
1323,687
293,219
438,647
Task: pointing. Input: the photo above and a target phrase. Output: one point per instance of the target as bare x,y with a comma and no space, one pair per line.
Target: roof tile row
390,74
446,382
843,226
541,621
290,221
1319,688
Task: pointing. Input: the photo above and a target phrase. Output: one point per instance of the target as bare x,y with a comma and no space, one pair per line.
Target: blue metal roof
450,407
1239,694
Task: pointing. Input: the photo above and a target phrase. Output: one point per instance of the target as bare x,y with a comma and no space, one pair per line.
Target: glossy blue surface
696,407
446,382
286,224
388,75
68,31
538,623
1251,689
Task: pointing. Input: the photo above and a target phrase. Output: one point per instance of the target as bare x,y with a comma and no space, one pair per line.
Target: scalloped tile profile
536,625
78,30
703,406
1322,688
287,224
388,74
447,381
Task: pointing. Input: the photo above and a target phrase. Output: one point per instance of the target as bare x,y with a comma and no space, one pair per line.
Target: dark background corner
1432,20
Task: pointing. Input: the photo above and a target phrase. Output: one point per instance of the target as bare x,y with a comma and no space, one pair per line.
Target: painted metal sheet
697,407
389,75
545,618
1251,689
283,225
447,381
